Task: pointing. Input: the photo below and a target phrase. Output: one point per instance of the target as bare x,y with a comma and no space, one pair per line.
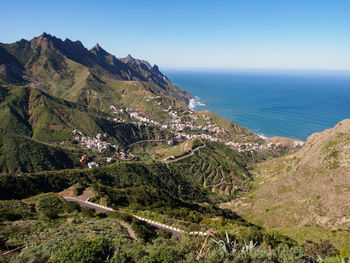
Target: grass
329,145
302,233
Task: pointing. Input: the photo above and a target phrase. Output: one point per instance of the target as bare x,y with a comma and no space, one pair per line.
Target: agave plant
226,245
251,246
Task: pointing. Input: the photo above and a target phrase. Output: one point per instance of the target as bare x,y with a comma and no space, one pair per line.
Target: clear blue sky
200,34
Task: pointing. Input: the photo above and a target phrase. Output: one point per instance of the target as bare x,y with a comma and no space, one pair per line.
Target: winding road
175,232
167,160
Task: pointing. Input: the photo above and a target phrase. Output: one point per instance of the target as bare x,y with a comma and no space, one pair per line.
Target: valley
80,121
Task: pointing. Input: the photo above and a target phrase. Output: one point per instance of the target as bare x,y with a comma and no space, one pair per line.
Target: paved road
184,156
84,204
175,233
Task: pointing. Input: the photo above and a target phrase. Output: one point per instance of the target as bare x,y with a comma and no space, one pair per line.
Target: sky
277,34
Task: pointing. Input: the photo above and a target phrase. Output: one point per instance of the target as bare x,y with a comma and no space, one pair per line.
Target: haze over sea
289,103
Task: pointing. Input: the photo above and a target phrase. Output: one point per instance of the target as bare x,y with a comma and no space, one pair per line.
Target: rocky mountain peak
98,50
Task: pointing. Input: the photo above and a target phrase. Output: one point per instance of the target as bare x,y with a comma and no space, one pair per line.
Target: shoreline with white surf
196,102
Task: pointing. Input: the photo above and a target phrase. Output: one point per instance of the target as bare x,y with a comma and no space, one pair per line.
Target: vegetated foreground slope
307,188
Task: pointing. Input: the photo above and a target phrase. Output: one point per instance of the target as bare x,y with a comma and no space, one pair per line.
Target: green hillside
95,78
22,154
40,124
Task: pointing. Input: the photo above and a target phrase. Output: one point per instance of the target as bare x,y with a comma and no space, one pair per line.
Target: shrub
291,254
275,239
250,234
15,210
143,230
100,215
83,250
70,207
323,249
160,253
49,206
88,212
78,189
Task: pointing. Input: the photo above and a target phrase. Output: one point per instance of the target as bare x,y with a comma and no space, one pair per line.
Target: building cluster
178,126
96,143
175,124
180,136
243,147
99,144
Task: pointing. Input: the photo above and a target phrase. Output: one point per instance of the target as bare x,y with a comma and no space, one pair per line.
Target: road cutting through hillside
167,160
175,232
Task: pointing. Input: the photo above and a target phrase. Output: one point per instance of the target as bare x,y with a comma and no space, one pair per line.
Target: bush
78,189
291,254
323,249
160,253
143,230
100,215
88,212
275,239
15,210
250,234
49,206
70,207
83,250
120,215
162,233
256,256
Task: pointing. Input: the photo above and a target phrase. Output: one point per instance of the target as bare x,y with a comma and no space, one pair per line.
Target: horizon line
254,68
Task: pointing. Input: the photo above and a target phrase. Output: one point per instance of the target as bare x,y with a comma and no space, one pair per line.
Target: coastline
288,105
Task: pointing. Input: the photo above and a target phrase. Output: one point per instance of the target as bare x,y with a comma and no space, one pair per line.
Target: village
175,124
99,144
181,131
178,127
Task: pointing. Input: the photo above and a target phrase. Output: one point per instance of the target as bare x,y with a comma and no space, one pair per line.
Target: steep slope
21,154
35,114
11,69
310,187
68,70
31,119
217,168
235,132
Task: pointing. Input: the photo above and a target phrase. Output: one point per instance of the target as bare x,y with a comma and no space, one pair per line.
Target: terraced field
216,167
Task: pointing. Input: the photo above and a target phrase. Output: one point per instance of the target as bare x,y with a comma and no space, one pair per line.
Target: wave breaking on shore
194,103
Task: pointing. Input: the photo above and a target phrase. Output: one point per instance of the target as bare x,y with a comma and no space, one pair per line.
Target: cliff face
310,187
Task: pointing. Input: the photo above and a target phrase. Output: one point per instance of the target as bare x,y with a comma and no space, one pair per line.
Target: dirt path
129,229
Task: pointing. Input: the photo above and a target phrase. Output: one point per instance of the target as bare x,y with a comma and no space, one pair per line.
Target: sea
288,103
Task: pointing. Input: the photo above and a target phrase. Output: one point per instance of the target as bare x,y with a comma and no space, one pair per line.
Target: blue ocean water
271,102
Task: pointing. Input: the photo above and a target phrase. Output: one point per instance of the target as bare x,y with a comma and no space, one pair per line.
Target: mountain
306,189
50,88
119,133
68,70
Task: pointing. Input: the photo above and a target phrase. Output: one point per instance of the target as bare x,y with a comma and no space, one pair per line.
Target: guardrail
194,233
199,233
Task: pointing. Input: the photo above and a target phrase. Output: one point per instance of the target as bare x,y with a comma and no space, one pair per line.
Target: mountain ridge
47,54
